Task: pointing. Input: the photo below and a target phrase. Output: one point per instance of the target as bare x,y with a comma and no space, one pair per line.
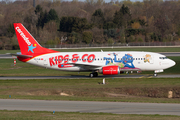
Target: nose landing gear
155,74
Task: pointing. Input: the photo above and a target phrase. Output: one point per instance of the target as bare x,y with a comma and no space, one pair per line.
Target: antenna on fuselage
101,50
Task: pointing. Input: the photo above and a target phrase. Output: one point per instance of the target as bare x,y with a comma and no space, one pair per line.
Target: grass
118,89
151,90
148,49
43,115
7,68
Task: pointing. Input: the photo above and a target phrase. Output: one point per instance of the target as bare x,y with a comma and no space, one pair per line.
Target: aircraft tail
28,45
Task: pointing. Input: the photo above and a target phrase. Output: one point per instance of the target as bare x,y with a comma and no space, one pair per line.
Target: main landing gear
155,75
95,74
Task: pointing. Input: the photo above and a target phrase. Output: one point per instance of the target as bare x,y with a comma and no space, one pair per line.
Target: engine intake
110,70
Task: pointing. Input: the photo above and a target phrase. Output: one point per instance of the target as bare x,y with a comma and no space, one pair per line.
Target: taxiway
84,77
91,107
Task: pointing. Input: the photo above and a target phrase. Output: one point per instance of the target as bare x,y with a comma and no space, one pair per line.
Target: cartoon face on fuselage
127,59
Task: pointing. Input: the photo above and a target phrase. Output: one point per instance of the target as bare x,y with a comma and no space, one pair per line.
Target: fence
113,45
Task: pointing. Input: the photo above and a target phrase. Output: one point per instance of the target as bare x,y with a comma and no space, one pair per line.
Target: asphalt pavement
85,77
90,107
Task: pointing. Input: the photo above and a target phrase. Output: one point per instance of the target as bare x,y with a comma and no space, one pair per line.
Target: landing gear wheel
95,74
91,75
155,74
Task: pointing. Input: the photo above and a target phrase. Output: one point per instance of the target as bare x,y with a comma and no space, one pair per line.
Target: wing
87,66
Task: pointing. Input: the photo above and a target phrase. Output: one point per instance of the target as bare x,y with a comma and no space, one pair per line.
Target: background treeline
91,22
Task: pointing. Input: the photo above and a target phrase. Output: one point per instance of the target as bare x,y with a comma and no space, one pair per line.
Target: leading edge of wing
20,55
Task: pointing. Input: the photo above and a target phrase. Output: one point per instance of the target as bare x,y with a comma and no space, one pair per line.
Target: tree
98,36
109,25
91,2
52,15
38,9
45,17
100,2
178,32
135,25
122,17
98,13
125,10
10,31
98,18
87,37
118,19
69,24
74,38
162,26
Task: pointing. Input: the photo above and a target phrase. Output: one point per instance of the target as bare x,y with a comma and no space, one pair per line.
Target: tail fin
28,45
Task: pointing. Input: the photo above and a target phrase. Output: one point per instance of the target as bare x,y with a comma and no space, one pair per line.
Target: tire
91,75
155,74
95,74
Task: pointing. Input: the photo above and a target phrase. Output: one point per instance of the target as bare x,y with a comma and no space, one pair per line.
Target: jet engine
110,70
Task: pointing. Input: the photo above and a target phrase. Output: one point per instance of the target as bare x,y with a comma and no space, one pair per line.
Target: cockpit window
163,58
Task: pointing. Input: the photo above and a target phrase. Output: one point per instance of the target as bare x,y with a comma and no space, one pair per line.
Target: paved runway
84,77
170,53
91,107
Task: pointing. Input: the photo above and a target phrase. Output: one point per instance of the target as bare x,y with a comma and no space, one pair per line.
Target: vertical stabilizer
28,45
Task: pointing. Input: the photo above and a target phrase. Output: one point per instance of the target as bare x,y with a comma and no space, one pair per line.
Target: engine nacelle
110,70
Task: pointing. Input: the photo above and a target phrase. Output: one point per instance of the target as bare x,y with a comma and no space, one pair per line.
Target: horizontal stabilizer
20,55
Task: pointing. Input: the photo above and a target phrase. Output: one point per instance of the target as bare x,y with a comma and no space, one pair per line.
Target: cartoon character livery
126,61
106,63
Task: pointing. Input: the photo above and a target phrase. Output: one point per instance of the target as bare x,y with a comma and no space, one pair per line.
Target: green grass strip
44,115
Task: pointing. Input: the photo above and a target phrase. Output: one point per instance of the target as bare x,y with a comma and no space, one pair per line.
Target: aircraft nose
172,63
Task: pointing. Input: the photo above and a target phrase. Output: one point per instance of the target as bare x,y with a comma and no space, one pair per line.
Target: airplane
106,63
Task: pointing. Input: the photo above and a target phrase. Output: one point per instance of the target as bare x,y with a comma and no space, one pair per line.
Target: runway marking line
146,76
150,76
142,76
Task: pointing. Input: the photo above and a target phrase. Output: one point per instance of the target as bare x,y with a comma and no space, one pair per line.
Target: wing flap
87,66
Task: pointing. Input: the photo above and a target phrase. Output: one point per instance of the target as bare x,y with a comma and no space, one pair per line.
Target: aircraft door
45,61
151,59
